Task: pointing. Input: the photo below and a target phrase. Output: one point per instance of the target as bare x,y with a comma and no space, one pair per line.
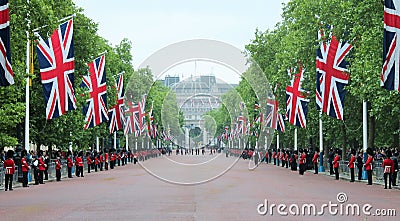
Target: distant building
197,95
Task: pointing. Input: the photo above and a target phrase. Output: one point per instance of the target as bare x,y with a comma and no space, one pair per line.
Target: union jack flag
296,103
116,113
151,126
273,118
332,76
96,109
390,76
132,121
6,72
56,61
142,114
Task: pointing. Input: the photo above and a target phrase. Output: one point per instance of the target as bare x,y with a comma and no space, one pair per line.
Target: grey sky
154,24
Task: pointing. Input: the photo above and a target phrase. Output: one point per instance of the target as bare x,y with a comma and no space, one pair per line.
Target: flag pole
28,60
365,137
321,145
126,142
97,144
277,140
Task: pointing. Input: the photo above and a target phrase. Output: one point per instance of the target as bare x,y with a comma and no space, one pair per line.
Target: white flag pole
321,145
126,142
97,144
365,136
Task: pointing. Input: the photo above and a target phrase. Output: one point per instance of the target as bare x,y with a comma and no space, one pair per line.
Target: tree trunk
371,128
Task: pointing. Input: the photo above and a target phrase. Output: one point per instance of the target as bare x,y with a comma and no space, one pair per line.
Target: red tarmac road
130,193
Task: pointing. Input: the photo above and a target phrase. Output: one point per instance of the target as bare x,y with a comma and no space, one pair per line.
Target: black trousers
277,162
274,161
101,166
385,176
69,172
352,174
112,164
36,176
76,171
394,178
81,171
46,174
9,180
41,176
301,169
331,169
88,168
95,167
106,166
316,167
58,175
25,179
336,173
369,172
359,173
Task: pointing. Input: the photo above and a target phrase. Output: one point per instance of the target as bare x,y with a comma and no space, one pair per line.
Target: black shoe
390,187
11,189
5,189
369,184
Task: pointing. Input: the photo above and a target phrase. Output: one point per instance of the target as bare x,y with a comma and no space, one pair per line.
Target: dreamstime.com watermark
339,208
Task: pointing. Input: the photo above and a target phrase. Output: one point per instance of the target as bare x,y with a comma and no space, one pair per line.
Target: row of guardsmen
302,159
75,163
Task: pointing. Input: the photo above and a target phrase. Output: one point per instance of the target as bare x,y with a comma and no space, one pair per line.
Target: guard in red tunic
388,168
112,160
42,167
302,162
25,169
368,165
89,161
70,164
286,158
282,157
336,164
106,161
119,158
274,156
96,162
79,161
101,159
9,167
58,169
315,161
278,156
351,164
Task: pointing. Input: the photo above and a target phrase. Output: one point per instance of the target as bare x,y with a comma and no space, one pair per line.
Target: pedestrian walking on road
351,164
388,168
9,167
368,165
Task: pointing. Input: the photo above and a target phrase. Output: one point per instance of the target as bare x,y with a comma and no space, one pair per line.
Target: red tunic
302,159
58,164
336,161
79,161
96,160
351,162
101,158
24,165
389,164
106,157
41,164
89,160
368,163
10,166
69,162
315,158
